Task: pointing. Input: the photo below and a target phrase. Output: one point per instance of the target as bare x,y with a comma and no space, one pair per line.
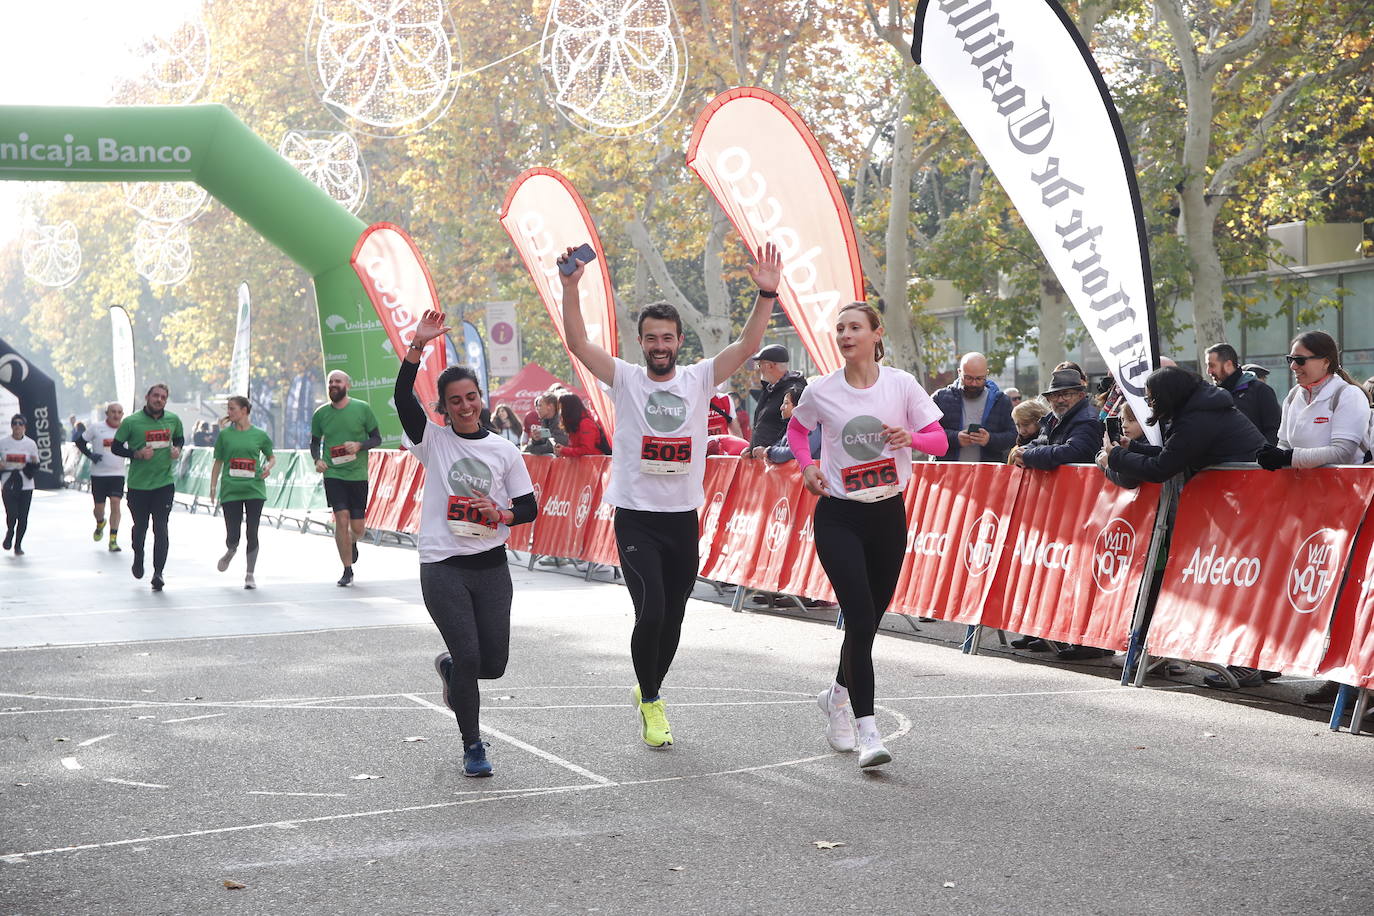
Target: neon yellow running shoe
653,721
99,531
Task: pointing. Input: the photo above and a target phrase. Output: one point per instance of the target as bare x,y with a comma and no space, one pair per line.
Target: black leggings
234,512
17,504
861,546
471,608
658,555
157,506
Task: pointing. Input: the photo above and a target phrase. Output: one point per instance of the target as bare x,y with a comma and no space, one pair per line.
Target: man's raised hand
572,279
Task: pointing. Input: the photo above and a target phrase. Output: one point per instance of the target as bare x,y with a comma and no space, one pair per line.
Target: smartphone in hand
974,428
1114,431
583,254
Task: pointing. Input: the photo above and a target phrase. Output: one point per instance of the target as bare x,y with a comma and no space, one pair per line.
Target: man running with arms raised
341,432
151,439
657,466
107,470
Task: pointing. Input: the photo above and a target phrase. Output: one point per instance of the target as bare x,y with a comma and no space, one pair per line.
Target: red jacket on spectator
584,440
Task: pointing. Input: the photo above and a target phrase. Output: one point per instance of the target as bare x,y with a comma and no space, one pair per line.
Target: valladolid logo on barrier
665,411
1314,570
862,438
470,477
1112,554
979,542
779,524
710,520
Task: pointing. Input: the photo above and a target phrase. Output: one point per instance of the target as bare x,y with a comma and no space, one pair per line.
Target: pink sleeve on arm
930,439
799,438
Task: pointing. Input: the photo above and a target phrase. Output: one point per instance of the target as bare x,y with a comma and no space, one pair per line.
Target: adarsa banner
766,170
1025,86
544,216
1255,565
398,284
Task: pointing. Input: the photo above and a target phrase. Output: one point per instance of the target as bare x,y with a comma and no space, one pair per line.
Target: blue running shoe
443,663
475,762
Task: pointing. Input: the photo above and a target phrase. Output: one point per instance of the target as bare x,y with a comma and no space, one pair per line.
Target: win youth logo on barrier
980,543
1112,554
779,526
584,506
1314,570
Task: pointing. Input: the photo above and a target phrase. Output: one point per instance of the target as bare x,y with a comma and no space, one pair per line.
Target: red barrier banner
802,572
598,543
757,523
384,499
958,516
567,503
522,536
720,473
1255,565
1350,655
412,484
1075,556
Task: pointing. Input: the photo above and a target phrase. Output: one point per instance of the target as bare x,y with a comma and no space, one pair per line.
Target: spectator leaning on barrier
1325,416
547,432
781,451
774,379
1201,427
584,435
1027,416
976,414
1072,434
1253,398
1131,432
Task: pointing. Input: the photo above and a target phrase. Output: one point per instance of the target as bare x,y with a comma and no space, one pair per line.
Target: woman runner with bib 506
871,416
476,487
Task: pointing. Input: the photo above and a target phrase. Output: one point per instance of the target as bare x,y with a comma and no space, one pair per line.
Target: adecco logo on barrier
584,505
556,508
1112,554
779,524
1313,571
1030,550
979,541
927,543
1210,569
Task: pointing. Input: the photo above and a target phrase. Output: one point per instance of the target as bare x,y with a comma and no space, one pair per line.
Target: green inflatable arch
207,144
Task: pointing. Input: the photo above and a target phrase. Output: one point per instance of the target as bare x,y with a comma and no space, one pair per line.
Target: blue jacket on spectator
996,420
1074,439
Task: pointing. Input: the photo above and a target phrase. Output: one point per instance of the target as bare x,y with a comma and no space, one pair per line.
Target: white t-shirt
100,435
658,456
855,462
1316,425
14,454
457,469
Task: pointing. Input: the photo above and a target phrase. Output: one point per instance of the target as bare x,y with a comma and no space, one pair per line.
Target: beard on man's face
660,361
337,393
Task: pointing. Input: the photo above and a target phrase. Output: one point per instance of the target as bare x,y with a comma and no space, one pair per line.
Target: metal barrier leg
1361,705
737,603
1343,697
972,636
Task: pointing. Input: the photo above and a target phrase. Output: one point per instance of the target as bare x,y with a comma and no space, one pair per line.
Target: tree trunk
1049,348
713,330
901,339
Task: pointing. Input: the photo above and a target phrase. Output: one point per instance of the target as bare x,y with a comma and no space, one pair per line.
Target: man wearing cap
1253,398
1071,434
774,380
976,415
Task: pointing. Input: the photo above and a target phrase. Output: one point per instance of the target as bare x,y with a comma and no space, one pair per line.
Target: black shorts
103,488
346,496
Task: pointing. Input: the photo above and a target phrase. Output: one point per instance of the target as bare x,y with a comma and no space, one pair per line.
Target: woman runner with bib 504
476,487
870,416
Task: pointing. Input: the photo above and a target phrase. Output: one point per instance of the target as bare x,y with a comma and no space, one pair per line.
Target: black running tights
234,512
471,608
154,506
17,504
861,546
658,555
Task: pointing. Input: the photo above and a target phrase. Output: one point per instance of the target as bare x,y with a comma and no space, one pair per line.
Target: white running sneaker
248,581
871,751
223,563
839,729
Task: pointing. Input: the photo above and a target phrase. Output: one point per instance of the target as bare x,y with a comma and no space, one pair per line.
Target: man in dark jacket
1072,434
973,399
774,379
1252,397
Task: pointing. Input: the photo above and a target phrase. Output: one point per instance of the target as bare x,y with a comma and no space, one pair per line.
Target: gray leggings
471,608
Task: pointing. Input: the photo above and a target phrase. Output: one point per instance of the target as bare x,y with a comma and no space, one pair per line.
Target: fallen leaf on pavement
826,844
62,739
145,717
675,868
1208,735
948,884
233,885
415,738
1141,747
193,698
366,776
23,784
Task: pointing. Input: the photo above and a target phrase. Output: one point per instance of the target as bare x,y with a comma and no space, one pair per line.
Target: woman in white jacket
1325,416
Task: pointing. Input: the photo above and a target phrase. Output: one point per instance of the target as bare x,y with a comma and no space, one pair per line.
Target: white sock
839,694
868,727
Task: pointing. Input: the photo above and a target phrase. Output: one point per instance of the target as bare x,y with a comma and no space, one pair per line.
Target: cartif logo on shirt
665,412
470,477
862,438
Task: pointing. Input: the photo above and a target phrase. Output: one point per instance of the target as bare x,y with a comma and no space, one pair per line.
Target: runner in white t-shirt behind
658,461
107,470
870,416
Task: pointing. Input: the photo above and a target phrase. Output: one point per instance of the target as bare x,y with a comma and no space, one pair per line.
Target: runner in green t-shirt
151,439
244,453
341,432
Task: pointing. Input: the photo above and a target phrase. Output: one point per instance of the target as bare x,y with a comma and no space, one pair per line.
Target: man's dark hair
1226,353
660,310
1169,388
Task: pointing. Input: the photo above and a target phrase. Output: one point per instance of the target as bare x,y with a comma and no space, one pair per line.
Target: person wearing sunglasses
18,464
1326,415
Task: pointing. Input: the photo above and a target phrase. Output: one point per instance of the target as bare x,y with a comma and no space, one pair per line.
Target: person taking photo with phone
976,415
658,462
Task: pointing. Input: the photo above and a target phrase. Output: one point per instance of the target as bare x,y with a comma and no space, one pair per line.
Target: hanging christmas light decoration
162,252
331,160
166,201
177,61
51,255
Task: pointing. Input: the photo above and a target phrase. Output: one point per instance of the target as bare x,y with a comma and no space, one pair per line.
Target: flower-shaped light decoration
177,61
166,201
331,160
388,64
51,255
162,252
614,67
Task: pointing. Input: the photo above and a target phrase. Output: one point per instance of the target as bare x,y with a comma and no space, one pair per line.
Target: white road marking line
142,609
524,746
213,715
89,741
427,625
130,782
303,794
71,763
